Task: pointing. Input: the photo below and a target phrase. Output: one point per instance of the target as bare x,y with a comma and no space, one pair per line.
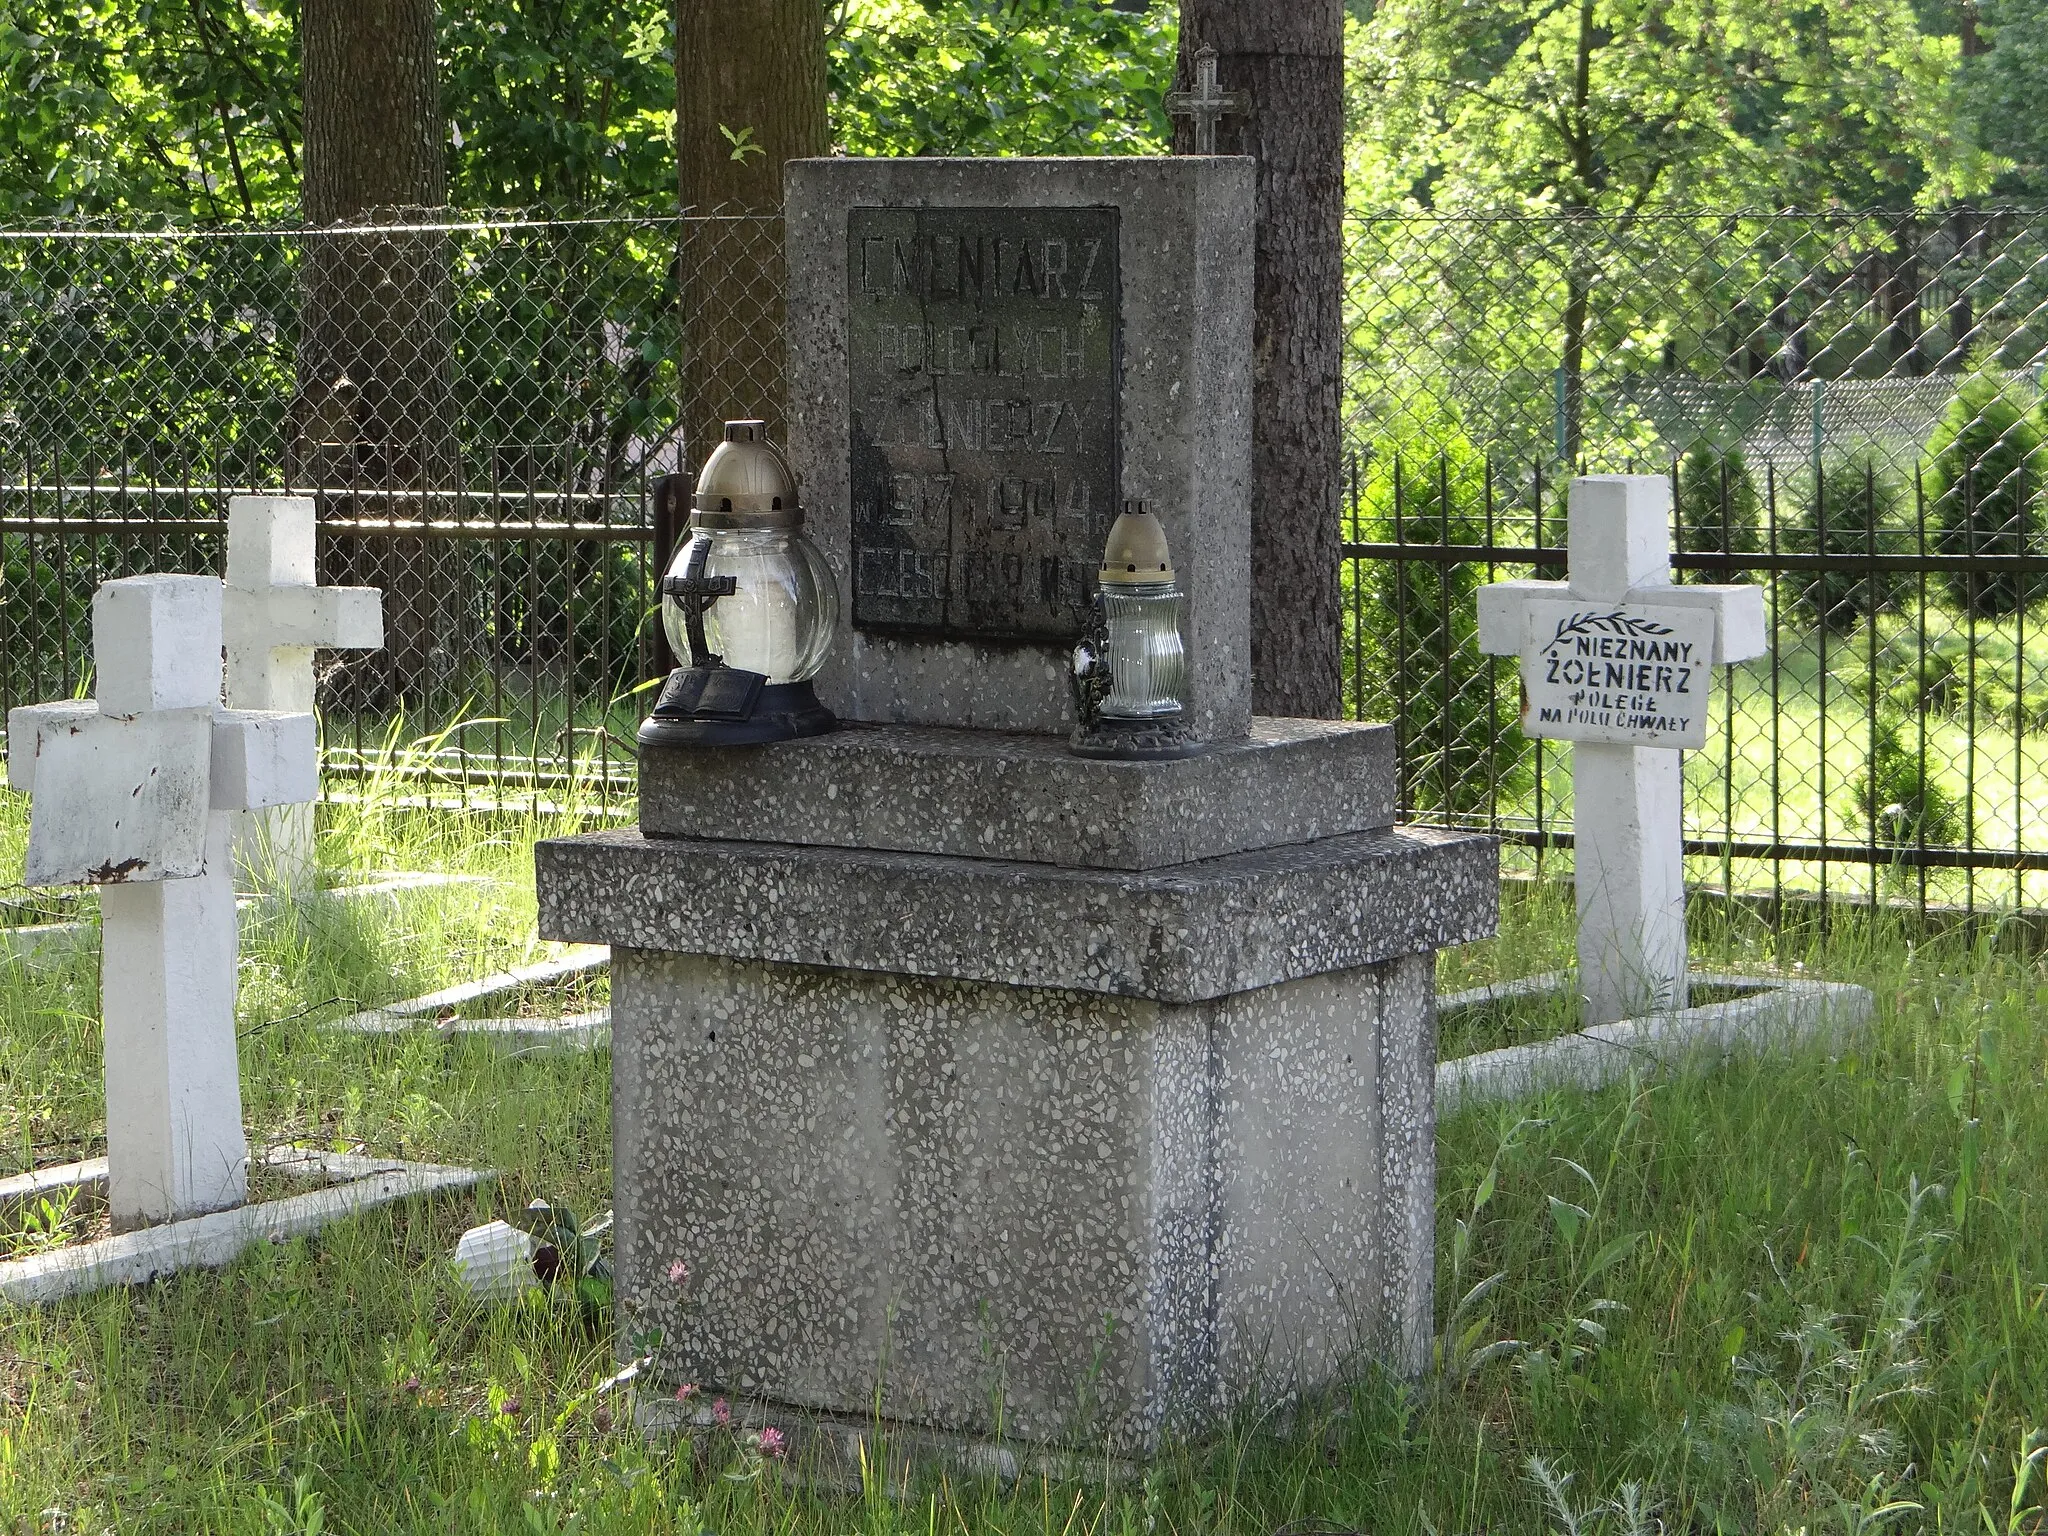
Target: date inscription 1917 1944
982,363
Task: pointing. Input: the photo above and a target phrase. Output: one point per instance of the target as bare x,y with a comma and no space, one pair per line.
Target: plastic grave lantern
750,601
1130,671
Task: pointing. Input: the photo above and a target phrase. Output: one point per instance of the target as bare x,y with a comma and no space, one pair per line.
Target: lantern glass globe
784,605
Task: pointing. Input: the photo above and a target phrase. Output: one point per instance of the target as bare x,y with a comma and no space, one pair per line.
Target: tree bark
372,104
750,95
1289,54
375,414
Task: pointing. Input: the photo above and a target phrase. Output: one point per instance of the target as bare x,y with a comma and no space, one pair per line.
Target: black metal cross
1205,103
695,592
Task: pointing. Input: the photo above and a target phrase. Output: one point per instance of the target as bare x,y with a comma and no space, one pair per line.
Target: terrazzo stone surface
1184,426
984,794
1100,1216
1185,934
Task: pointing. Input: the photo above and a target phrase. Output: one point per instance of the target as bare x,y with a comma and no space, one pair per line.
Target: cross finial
1205,103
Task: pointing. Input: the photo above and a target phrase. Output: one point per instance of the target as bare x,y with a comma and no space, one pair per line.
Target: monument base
1067,1141
1050,1214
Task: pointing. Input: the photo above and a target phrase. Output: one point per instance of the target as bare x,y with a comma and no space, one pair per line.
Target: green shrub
1896,794
1418,623
1855,509
1986,462
1719,511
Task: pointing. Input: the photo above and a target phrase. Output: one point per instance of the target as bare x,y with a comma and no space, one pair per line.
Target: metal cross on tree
1205,104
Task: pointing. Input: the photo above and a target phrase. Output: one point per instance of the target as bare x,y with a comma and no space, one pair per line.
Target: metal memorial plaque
1621,673
982,362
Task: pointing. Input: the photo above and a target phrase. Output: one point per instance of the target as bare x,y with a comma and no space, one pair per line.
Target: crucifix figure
276,614
1205,104
1618,661
136,791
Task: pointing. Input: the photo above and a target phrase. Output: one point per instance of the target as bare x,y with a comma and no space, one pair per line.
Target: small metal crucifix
1205,103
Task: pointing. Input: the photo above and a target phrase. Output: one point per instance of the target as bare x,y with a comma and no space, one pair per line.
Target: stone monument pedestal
1016,1092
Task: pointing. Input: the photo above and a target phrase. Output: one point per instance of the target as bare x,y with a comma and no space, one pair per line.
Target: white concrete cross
276,614
135,791
1619,661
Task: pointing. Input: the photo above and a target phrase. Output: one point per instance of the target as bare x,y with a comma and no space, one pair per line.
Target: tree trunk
374,415
1962,307
1289,55
1578,290
750,95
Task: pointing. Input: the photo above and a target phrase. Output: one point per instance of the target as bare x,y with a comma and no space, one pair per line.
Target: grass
1795,1294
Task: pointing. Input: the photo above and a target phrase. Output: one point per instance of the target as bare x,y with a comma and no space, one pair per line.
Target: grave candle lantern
1130,672
750,601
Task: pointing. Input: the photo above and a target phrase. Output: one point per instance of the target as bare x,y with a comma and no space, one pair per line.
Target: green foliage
1417,625
1981,681
183,110
1000,77
1856,512
1898,796
1984,488
1625,105
1719,511
188,110
559,102
575,608
2001,90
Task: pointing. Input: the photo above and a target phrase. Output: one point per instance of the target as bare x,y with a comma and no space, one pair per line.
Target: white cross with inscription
1205,104
276,614
136,792
1619,661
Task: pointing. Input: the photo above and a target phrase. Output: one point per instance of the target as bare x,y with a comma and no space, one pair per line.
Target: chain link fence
487,411
1850,409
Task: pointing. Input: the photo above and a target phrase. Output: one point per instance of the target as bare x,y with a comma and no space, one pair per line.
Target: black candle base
727,714
1156,738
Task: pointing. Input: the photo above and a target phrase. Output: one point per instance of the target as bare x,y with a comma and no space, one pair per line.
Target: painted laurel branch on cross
1615,623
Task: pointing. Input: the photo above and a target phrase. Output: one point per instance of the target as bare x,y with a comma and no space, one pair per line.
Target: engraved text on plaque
982,365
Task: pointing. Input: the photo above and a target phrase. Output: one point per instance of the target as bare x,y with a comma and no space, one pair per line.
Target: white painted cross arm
276,615
122,784
1619,545
1617,654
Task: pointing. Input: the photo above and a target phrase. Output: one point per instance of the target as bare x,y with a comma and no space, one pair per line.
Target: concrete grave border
1776,1011
356,1184
515,1036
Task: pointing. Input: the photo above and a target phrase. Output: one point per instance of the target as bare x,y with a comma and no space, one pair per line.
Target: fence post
1557,392
1819,427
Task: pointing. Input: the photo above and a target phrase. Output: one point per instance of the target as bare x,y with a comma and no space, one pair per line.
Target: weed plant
1798,1293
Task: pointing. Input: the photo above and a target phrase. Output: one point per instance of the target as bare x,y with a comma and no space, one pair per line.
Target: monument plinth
1010,1090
